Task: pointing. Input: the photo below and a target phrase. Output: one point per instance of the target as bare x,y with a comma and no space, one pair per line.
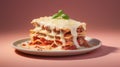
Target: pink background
103,22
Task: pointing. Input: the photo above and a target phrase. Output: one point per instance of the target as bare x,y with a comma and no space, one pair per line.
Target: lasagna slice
57,34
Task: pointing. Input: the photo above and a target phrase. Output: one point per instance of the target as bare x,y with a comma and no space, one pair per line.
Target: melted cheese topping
60,23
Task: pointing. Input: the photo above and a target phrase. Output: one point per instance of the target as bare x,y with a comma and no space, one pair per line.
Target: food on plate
57,32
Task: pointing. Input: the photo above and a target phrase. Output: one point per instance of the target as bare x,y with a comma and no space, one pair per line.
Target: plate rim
52,51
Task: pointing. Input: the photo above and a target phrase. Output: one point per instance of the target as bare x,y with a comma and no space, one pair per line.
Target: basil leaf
60,14
65,16
55,16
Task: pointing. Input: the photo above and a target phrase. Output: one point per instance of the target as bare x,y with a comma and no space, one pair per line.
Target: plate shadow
100,52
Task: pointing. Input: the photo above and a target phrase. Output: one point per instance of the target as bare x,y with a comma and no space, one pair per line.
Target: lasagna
56,33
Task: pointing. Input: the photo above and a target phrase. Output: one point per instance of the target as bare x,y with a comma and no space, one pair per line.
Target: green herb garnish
60,14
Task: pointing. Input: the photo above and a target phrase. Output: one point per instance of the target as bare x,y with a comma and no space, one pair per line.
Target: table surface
103,22
106,56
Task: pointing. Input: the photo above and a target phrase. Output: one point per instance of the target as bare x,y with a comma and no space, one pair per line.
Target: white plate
95,43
